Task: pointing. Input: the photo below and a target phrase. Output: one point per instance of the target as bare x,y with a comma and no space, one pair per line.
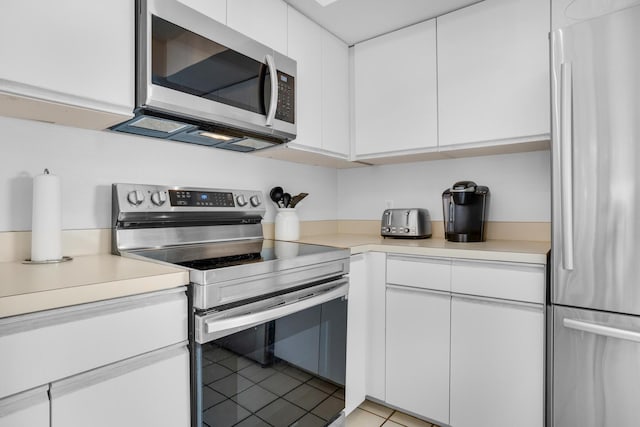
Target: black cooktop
212,256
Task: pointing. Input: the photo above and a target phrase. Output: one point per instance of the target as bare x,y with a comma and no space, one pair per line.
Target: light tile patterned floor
371,414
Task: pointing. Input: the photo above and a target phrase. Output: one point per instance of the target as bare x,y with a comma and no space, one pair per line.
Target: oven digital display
201,199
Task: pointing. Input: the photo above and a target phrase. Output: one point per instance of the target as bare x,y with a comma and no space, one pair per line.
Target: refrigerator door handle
566,158
607,331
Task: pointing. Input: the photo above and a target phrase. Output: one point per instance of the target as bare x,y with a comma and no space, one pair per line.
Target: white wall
519,185
88,162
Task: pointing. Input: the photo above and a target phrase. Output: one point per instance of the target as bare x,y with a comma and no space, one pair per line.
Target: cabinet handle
273,104
566,159
607,331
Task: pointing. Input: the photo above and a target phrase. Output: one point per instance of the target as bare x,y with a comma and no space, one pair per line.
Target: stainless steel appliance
199,81
596,233
406,223
268,324
464,208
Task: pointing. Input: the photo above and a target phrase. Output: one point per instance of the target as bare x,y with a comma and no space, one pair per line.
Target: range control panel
202,198
156,198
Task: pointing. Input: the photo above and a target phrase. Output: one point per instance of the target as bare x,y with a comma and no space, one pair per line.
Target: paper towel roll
46,226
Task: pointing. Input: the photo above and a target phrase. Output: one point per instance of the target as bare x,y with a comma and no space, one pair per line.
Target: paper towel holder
49,261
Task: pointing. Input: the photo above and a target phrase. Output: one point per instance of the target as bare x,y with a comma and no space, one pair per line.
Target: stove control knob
255,201
159,198
241,200
135,197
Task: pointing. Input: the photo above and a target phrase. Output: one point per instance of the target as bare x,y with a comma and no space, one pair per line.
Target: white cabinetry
68,62
30,408
322,94
497,363
305,44
465,340
418,314
149,390
493,73
216,9
100,357
396,91
418,351
356,374
262,20
365,330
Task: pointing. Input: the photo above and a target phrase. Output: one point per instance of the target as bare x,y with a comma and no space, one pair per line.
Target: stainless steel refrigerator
595,290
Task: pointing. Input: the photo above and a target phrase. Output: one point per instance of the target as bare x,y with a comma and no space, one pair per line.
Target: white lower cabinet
465,341
149,390
418,351
121,362
30,408
497,363
356,373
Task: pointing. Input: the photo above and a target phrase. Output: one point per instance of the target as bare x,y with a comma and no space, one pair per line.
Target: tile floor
240,392
371,414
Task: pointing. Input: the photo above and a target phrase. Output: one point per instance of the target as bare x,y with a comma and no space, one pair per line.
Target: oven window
189,63
287,372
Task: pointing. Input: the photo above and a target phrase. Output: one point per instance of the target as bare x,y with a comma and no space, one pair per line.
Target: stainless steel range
269,317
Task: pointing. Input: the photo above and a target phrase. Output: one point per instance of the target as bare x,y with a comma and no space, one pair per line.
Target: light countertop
492,250
26,288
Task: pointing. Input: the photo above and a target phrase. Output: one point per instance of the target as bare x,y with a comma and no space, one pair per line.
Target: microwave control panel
285,110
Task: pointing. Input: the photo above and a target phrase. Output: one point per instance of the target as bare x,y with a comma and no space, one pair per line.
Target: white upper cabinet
216,9
322,91
262,20
396,91
493,72
69,62
305,44
335,95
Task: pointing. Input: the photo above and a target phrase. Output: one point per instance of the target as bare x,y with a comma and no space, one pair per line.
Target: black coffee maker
465,207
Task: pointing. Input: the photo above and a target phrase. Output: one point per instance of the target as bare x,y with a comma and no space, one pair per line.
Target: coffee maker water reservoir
465,207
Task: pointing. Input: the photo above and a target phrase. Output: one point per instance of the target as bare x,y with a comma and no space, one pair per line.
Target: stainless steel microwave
202,82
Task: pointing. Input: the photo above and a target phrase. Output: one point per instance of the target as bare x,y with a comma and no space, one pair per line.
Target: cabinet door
216,9
305,44
149,390
335,95
418,328
376,324
493,72
95,334
497,364
74,52
356,373
30,408
262,20
395,91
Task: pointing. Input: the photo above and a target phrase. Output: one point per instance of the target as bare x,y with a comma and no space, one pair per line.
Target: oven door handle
214,327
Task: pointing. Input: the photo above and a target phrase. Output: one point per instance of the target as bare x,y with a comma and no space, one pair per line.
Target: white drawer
512,281
38,348
419,272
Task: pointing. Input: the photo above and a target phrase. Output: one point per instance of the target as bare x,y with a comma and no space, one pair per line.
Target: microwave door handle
273,104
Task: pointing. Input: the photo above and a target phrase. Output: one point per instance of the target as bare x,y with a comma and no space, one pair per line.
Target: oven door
275,362
191,65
